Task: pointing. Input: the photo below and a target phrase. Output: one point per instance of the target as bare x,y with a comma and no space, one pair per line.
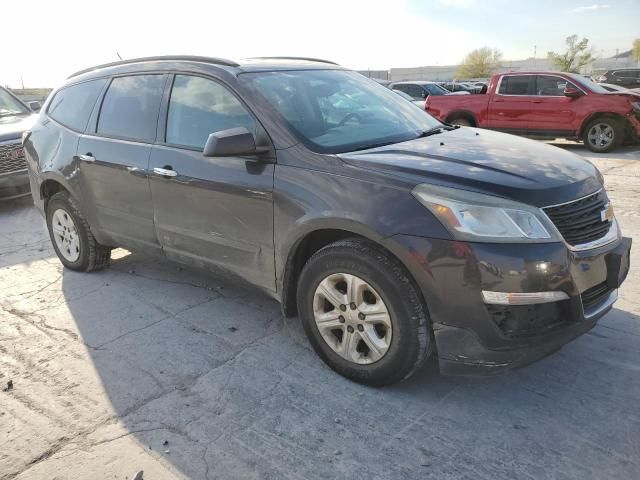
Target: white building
448,72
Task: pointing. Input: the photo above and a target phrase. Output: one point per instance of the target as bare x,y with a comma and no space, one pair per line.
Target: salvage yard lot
148,366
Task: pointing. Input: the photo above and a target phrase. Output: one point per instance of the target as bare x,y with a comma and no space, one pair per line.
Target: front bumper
473,337
14,184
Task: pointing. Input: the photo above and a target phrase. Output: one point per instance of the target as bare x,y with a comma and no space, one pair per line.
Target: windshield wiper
435,131
372,145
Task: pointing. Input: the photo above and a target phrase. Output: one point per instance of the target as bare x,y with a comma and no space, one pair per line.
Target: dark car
15,118
391,235
419,90
459,87
624,77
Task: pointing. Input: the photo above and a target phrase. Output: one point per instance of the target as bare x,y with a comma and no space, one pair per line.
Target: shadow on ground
213,369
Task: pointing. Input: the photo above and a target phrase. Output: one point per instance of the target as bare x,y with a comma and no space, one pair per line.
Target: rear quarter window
71,106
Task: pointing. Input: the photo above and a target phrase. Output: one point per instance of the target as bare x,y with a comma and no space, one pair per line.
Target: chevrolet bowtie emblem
606,215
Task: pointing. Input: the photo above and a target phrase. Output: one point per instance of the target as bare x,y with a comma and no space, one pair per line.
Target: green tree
578,55
635,50
480,63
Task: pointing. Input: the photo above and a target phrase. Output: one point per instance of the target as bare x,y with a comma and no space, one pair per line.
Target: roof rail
308,59
191,58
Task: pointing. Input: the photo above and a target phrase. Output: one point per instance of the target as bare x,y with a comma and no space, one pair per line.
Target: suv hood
487,162
11,127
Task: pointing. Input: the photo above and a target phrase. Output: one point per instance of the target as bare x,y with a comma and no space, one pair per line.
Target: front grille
12,158
594,295
580,221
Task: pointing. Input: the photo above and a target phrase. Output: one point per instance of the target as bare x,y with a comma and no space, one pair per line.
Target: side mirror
572,92
34,106
231,142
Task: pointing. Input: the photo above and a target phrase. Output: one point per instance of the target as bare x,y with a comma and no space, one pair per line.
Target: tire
82,253
606,142
410,336
463,122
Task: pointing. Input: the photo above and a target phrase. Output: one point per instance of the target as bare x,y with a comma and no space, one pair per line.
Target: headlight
636,106
484,218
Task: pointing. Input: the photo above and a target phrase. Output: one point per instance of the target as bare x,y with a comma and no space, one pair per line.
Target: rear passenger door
510,106
114,159
212,212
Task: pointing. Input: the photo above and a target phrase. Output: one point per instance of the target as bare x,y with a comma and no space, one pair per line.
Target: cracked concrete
108,366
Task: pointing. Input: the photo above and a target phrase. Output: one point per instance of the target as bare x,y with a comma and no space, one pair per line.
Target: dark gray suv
391,235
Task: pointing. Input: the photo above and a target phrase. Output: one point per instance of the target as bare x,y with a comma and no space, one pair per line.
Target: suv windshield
334,111
9,105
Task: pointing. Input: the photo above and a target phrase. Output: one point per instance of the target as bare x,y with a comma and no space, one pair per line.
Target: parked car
15,118
406,96
616,88
609,87
419,90
391,235
457,87
547,105
625,77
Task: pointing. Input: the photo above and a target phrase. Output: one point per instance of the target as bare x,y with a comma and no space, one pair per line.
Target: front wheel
362,313
603,135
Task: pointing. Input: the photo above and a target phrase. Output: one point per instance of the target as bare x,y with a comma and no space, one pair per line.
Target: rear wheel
362,313
71,236
603,135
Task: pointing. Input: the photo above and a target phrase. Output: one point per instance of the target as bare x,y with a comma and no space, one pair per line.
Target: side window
72,105
402,87
199,107
415,91
130,107
432,89
514,85
550,86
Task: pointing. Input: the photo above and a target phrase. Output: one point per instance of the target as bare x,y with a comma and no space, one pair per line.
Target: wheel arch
50,186
466,114
603,114
312,240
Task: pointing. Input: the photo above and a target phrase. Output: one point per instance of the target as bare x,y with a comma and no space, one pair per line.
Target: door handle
87,157
165,172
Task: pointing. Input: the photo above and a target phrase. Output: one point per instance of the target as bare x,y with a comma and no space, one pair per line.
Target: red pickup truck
546,105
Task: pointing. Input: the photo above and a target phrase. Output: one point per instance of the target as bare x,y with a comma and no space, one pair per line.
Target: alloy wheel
352,318
65,235
601,135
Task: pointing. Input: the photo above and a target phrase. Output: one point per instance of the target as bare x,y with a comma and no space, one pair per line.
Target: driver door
211,212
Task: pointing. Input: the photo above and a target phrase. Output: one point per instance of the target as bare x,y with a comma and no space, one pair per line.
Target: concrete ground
146,366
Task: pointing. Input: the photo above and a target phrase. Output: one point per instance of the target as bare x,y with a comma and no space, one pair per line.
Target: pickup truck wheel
603,135
71,236
362,313
463,122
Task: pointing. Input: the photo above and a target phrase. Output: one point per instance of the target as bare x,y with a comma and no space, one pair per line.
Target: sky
57,37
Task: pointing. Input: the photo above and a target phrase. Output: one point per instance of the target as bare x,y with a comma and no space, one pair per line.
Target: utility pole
535,51
21,80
